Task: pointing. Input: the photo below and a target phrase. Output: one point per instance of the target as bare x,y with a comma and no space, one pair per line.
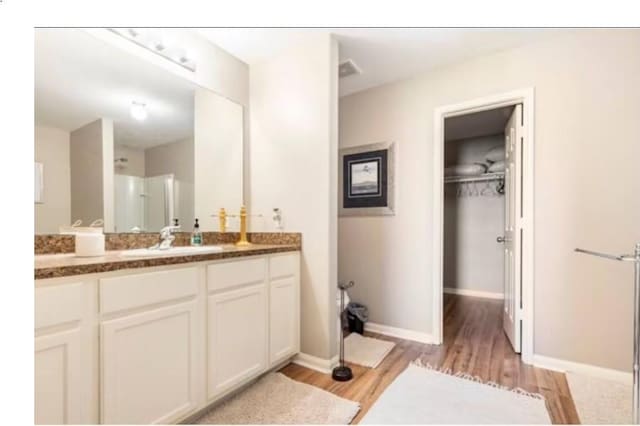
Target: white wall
294,101
587,181
218,136
108,176
473,260
52,150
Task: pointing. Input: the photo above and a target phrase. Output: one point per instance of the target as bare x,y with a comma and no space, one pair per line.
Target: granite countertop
67,264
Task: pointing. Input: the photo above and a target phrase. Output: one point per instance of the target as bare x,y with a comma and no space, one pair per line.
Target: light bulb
138,111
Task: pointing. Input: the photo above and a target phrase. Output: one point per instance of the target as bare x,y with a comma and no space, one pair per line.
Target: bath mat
277,399
366,351
422,395
600,401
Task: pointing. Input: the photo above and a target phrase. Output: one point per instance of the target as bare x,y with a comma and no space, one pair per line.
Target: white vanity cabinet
65,347
150,339
156,345
284,307
237,323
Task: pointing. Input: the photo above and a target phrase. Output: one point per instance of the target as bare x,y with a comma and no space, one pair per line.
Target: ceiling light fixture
139,111
154,41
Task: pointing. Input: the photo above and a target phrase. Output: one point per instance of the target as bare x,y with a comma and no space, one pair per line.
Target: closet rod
477,178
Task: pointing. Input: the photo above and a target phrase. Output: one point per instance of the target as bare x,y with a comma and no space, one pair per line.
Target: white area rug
421,395
600,401
366,351
277,399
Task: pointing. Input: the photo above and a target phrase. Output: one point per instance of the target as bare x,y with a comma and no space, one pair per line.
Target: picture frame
367,180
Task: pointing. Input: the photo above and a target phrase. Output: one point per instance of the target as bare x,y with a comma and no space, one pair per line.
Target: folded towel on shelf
465,169
496,167
495,154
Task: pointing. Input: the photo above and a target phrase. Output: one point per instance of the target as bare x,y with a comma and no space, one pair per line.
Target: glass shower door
129,203
159,202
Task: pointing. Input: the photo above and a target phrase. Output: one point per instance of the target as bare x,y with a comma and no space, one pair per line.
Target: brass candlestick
222,219
242,242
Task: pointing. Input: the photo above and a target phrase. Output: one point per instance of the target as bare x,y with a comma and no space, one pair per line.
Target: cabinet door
284,307
149,365
59,389
284,321
237,344
64,346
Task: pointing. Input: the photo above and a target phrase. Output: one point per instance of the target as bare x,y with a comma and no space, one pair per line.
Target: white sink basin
173,251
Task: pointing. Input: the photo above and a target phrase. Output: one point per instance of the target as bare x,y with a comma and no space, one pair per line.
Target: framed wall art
366,175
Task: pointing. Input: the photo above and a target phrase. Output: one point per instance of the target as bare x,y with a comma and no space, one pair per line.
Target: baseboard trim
401,333
473,293
322,365
565,366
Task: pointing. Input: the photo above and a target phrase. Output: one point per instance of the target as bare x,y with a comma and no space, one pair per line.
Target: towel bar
635,258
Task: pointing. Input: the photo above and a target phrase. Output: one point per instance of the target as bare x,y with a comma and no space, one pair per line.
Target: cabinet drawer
283,265
60,304
133,291
235,273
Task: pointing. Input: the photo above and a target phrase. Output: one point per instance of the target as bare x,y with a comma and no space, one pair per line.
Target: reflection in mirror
115,137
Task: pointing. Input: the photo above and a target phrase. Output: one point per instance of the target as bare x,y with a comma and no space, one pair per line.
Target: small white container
89,244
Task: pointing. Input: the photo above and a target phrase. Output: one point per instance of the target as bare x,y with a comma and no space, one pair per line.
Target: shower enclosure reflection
147,204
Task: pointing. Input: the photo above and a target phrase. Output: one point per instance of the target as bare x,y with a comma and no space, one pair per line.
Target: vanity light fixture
153,40
139,111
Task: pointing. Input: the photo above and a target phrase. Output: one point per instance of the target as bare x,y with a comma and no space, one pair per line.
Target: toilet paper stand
342,373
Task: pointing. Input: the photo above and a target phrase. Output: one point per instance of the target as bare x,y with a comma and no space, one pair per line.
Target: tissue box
89,244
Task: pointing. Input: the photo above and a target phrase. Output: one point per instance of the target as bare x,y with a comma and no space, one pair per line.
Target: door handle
503,239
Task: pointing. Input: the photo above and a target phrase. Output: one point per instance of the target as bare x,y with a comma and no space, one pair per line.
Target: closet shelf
479,178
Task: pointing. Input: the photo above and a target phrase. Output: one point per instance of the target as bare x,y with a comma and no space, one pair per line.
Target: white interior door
512,318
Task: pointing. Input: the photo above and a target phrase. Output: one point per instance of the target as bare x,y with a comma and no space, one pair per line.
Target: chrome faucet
166,237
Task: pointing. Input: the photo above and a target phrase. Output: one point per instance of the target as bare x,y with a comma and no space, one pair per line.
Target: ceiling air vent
348,68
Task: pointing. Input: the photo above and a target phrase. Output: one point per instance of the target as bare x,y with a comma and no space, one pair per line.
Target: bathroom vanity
139,340
143,335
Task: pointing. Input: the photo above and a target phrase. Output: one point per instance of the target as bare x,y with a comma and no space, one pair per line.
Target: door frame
526,98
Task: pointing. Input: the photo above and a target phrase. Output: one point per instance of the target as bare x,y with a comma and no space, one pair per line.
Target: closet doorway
483,205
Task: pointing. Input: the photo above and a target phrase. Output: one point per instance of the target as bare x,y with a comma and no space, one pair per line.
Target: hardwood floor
473,342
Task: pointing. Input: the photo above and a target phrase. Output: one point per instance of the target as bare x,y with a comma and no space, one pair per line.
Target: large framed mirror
124,141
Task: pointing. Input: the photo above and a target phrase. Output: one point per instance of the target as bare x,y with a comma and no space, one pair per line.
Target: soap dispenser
196,235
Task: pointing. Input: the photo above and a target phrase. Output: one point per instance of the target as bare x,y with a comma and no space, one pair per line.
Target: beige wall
91,158
135,164
52,150
293,167
473,260
587,181
176,158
